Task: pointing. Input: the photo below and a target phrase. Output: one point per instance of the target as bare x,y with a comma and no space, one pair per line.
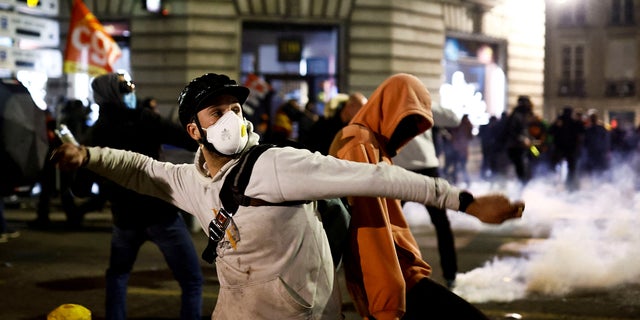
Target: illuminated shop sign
40,7
46,61
30,31
475,83
36,32
289,49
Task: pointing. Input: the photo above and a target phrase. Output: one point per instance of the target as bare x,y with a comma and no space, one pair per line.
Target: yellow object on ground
69,311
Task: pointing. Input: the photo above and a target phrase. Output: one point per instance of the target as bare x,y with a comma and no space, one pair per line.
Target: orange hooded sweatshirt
383,260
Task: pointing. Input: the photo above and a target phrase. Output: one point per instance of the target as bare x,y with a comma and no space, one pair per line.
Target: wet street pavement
43,269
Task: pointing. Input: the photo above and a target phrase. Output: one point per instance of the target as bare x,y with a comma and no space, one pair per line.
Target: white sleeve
141,173
288,174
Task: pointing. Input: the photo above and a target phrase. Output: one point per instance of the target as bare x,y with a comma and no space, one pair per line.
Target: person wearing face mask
128,89
139,218
272,261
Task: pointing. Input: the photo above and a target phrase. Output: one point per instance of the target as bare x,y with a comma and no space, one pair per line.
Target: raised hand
495,208
69,156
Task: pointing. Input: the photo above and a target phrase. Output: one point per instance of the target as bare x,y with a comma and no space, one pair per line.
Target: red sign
90,49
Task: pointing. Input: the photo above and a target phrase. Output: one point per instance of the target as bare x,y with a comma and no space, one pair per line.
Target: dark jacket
322,133
517,127
143,131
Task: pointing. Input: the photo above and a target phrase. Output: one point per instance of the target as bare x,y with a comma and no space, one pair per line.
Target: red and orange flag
90,49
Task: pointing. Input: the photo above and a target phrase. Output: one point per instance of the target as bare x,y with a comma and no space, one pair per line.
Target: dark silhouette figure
518,139
456,161
324,130
488,144
597,147
568,134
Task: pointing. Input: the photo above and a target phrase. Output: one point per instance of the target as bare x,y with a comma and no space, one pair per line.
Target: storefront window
298,62
475,81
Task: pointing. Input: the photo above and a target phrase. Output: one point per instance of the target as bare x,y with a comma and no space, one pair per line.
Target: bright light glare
35,82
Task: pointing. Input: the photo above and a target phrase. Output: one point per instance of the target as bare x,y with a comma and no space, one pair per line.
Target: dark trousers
429,300
174,241
520,159
446,246
48,189
571,156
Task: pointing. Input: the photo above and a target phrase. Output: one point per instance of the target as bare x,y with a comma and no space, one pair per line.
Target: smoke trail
581,240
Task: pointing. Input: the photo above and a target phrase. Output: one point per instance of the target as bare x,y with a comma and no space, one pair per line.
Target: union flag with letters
90,49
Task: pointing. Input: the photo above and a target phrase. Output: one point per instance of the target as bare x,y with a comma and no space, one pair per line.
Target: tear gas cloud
586,239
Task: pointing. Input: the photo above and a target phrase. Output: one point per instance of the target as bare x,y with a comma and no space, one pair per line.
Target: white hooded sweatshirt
274,262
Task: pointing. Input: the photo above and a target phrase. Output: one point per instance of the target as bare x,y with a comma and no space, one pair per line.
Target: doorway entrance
296,61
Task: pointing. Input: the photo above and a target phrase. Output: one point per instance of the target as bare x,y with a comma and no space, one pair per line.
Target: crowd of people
398,124
296,261
571,146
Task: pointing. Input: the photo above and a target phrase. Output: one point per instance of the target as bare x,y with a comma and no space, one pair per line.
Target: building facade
592,50
498,44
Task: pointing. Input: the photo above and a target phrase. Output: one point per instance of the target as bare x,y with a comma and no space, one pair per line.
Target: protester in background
419,155
488,143
283,131
282,248
48,183
501,164
382,261
138,218
150,103
49,174
338,112
306,121
518,139
568,134
539,153
458,147
597,147
74,114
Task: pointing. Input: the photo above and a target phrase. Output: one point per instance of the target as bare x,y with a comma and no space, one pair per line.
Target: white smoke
569,241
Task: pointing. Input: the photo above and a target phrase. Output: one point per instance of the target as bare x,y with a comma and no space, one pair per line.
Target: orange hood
399,96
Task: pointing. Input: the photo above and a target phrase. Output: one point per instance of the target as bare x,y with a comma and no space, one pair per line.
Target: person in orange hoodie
386,275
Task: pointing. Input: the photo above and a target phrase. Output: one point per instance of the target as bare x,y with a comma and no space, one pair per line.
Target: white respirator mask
229,134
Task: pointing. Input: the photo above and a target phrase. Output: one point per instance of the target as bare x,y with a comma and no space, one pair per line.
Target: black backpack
333,212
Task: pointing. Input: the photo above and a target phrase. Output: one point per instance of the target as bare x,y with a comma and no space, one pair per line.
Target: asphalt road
43,269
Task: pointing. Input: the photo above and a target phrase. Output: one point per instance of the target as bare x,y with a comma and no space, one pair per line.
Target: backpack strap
232,196
232,193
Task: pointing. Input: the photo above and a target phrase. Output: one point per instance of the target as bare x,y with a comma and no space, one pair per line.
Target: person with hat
140,218
272,261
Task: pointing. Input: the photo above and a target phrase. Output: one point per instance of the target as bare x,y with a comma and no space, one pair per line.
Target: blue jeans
174,240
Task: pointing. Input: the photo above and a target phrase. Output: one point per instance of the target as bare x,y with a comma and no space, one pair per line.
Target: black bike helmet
199,91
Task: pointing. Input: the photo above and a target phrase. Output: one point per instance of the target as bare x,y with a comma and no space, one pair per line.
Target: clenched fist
495,208
70,157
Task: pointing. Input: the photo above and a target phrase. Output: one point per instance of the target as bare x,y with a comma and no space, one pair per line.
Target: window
620,65
572,77
573,13
622,12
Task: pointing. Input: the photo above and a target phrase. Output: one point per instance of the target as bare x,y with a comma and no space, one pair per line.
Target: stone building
592,64
497,44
